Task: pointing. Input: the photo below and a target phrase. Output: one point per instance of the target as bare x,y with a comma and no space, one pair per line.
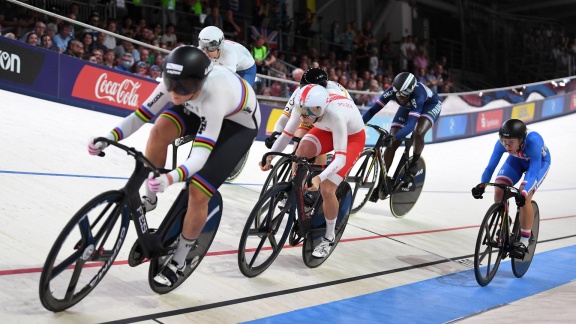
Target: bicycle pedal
136,257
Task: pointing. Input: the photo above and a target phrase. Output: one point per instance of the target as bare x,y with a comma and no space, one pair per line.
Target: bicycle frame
303,174
379,151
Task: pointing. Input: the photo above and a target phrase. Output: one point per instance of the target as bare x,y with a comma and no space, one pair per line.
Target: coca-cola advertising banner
111,88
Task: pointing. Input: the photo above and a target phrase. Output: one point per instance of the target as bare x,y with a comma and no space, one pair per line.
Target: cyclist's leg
170,125
232,144
249,74
509,174
527,212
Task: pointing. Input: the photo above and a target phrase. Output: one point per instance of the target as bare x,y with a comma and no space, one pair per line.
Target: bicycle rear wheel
363,179
281,172
260,244
197,253
314,237
490,244
238,168
519,267
84,251
404,199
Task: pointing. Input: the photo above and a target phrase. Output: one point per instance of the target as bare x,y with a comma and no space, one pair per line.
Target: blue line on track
442,299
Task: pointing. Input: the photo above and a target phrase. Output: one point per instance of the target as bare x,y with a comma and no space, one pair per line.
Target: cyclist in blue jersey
419,108
527,154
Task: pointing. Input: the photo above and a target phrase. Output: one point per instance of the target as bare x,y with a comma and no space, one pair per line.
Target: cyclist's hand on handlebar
478,191
158,184
388,140
96,148
315,184
268,165
269,141
520,199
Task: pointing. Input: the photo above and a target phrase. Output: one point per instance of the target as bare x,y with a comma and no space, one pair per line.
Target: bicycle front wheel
363,179
281,172
404,199
260,244
519,267
314,237
84,251
490,244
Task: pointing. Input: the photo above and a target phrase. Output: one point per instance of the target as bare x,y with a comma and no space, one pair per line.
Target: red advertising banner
111,88
573,102
489,120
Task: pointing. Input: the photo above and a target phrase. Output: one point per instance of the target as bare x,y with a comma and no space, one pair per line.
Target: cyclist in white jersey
311,76
210,102
338,126
227,53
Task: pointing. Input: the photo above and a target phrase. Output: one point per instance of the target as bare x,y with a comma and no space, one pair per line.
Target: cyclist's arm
378,105
287,133
340,142
534,149
155,102
419,98
493,163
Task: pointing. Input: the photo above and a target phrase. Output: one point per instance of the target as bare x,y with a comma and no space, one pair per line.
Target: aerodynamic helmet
314,76
312,100
210,38
185,69
404,83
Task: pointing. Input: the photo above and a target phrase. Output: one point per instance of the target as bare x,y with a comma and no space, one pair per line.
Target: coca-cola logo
112,88
119,92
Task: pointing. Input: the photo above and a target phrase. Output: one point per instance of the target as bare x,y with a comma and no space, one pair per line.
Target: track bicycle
370,180
282,213
90,242
497,235
190,138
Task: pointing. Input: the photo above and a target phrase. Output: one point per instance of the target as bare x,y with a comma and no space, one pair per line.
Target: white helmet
210,38
312,100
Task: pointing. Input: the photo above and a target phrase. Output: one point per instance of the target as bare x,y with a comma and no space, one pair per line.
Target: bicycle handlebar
130,151
503,186
383,133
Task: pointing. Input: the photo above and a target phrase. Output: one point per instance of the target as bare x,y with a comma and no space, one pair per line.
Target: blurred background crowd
351,52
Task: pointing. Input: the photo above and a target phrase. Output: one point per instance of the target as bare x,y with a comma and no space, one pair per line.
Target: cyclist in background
224,127
527,154
230,54
310,76
338,126
419,109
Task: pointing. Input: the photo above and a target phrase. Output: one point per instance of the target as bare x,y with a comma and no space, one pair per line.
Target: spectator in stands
99,42
296,76
262,56
169,37
91,58
39,29
109,59
51,30
63,36
10,35
336,37
32,39
157,33
420,61
110,41
94,20
99,55
142,69
127,47
214,18
421,76
127,25
46,42
368,35
75,49
87,42
126,62
432,80
231,27
155,72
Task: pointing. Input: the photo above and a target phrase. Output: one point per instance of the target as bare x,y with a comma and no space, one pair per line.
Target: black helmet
314,76
185,69
513,128
404,83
